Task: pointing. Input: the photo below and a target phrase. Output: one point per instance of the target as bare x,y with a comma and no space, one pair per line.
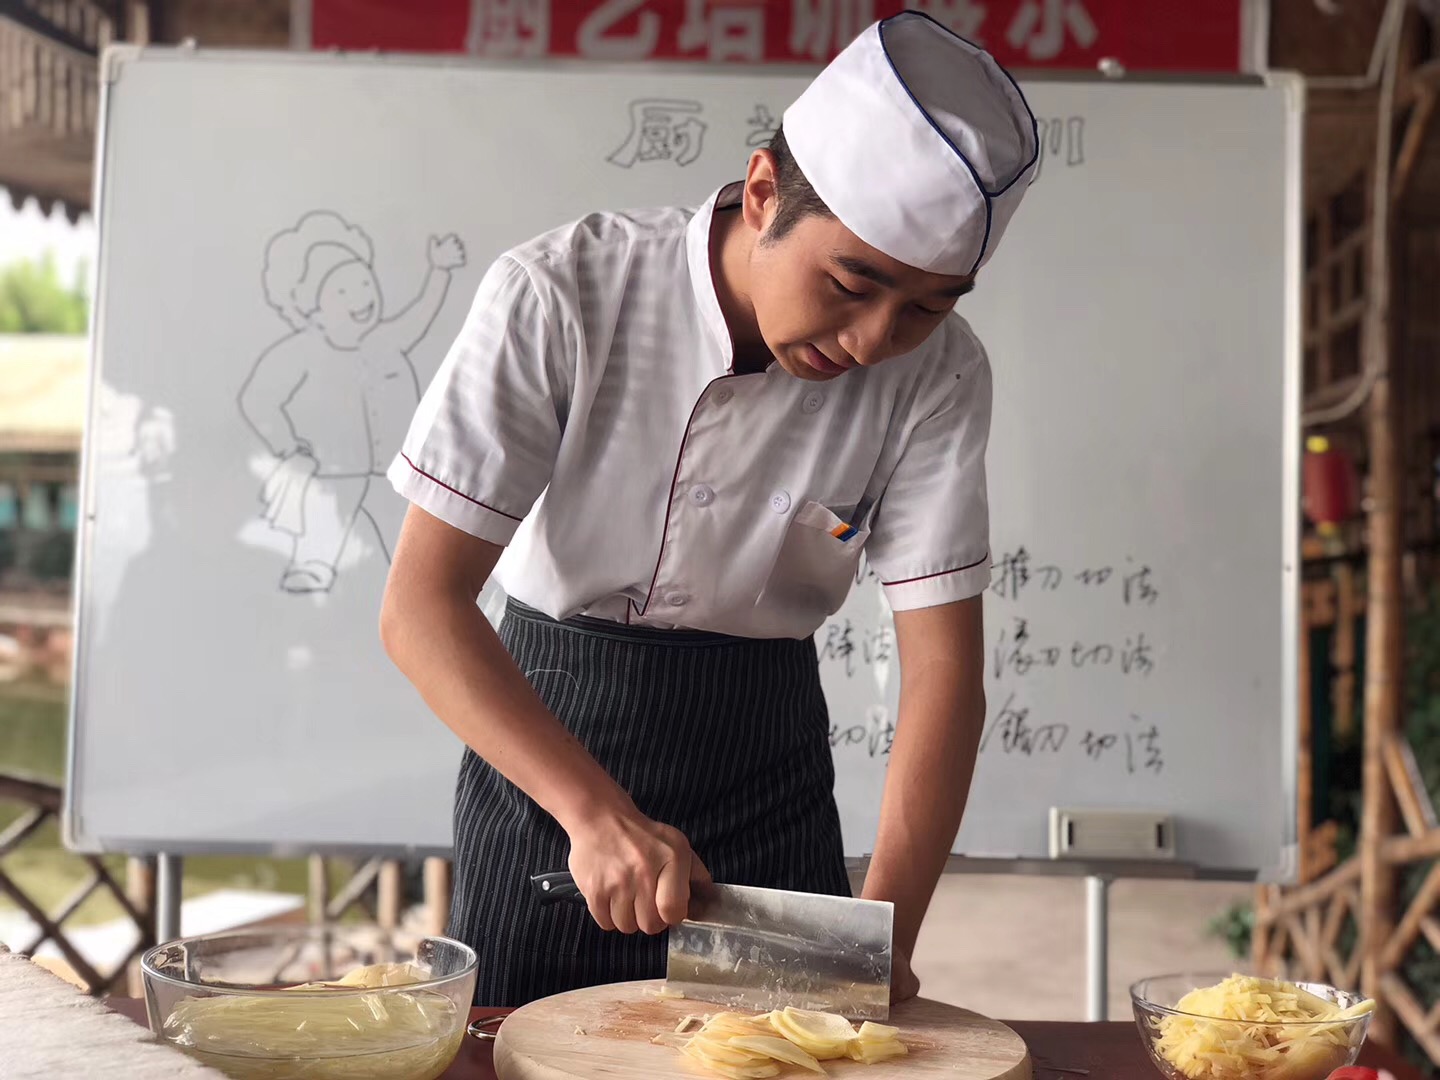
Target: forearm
932,761
449,651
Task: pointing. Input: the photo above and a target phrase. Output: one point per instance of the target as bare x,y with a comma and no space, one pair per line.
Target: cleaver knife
763,949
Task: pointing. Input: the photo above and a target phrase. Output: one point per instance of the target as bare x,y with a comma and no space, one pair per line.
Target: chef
670,435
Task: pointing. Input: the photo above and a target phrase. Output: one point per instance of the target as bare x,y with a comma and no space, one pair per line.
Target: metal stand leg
169,871
1097,948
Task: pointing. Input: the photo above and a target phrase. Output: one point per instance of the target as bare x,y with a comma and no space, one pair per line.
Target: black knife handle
556,886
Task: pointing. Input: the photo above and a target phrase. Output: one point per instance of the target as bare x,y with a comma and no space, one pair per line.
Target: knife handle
555,887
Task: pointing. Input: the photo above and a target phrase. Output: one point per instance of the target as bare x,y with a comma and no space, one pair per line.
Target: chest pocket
818,559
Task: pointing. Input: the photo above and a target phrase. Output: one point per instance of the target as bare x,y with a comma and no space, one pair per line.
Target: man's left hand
903,983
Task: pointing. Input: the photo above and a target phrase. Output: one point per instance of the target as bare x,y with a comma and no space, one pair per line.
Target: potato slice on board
779,1049
872,1032
879,1050
759,1071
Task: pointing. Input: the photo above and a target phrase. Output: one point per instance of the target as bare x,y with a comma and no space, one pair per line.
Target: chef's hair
298,260
794,196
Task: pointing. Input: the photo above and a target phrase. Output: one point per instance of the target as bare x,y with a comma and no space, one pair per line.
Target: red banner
1198,36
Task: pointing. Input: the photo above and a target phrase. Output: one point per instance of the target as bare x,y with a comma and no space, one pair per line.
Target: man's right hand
634,873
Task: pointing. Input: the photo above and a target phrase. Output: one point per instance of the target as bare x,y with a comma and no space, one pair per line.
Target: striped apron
723,738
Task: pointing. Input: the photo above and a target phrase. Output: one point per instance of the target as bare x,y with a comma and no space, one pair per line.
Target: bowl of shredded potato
312,1003
1241,1027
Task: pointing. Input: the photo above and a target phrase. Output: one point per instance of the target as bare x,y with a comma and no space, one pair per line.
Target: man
681,428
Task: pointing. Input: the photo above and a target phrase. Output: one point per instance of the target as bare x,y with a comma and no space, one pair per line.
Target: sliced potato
877,1050
824,1036
374,976
715,1049
820,1025
872,1032
820,1049
736,1072
744,1047
737,1024
780,1049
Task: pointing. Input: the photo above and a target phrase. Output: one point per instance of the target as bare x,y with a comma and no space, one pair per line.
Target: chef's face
825,301
349,304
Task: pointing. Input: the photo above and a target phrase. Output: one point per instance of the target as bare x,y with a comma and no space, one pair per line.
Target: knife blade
762,949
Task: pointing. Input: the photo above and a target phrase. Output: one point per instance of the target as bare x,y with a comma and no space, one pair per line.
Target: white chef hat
919,143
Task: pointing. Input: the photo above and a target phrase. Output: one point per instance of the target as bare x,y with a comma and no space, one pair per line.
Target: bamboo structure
1344,924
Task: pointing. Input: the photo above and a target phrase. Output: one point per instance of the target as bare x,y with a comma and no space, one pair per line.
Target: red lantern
1332,486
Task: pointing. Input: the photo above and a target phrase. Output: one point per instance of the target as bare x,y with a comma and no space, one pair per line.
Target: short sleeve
930,539
483,442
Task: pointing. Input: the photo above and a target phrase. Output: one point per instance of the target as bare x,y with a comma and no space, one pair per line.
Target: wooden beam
439,887
1415,130
140,889
318,889
1423,79
1309,895
389,898
1305,763
1306,947
1430,927
1407,849
1383,658
21,829
1404,773
50,931
1408,931
31,21
1399,997
354,889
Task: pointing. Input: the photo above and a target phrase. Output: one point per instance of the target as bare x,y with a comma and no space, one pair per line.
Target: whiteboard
1142,322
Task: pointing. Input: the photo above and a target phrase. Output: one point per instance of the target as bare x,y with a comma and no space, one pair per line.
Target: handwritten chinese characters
661,131
1134,745
853,648
1018,572
1031,664
1023,652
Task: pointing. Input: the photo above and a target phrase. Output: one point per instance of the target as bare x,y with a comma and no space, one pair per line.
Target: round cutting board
605,1031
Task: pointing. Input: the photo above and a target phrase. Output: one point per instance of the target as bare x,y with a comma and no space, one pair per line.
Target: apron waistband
615,631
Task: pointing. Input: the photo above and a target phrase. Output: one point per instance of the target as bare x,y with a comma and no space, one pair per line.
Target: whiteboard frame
111,67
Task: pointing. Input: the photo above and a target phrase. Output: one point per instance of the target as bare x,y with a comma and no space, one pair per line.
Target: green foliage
33,299
1235,926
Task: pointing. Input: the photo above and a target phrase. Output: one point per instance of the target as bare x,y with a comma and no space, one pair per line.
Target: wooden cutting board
605,1031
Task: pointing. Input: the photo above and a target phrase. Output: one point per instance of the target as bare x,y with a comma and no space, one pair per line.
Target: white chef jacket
589,418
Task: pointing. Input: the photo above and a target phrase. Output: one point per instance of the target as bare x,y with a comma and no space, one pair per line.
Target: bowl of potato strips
321,1003
1242,1027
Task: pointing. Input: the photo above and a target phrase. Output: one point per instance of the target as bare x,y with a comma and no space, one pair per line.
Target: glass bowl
1297,1050
312,1003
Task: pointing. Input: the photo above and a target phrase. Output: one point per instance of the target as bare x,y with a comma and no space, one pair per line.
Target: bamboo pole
1382,685
1317,891
1407,849
438,888
389,898
1408,931
1305,765
1384,644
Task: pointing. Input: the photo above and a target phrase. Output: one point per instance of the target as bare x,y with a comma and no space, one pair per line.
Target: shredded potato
1256,1029
386,1035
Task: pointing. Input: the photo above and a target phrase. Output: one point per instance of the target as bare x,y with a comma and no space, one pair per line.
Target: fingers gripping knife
763,949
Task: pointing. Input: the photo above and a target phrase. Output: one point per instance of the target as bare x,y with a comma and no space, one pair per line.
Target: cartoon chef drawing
332,399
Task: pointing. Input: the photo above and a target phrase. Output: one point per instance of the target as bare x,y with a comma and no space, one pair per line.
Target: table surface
1107,1051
